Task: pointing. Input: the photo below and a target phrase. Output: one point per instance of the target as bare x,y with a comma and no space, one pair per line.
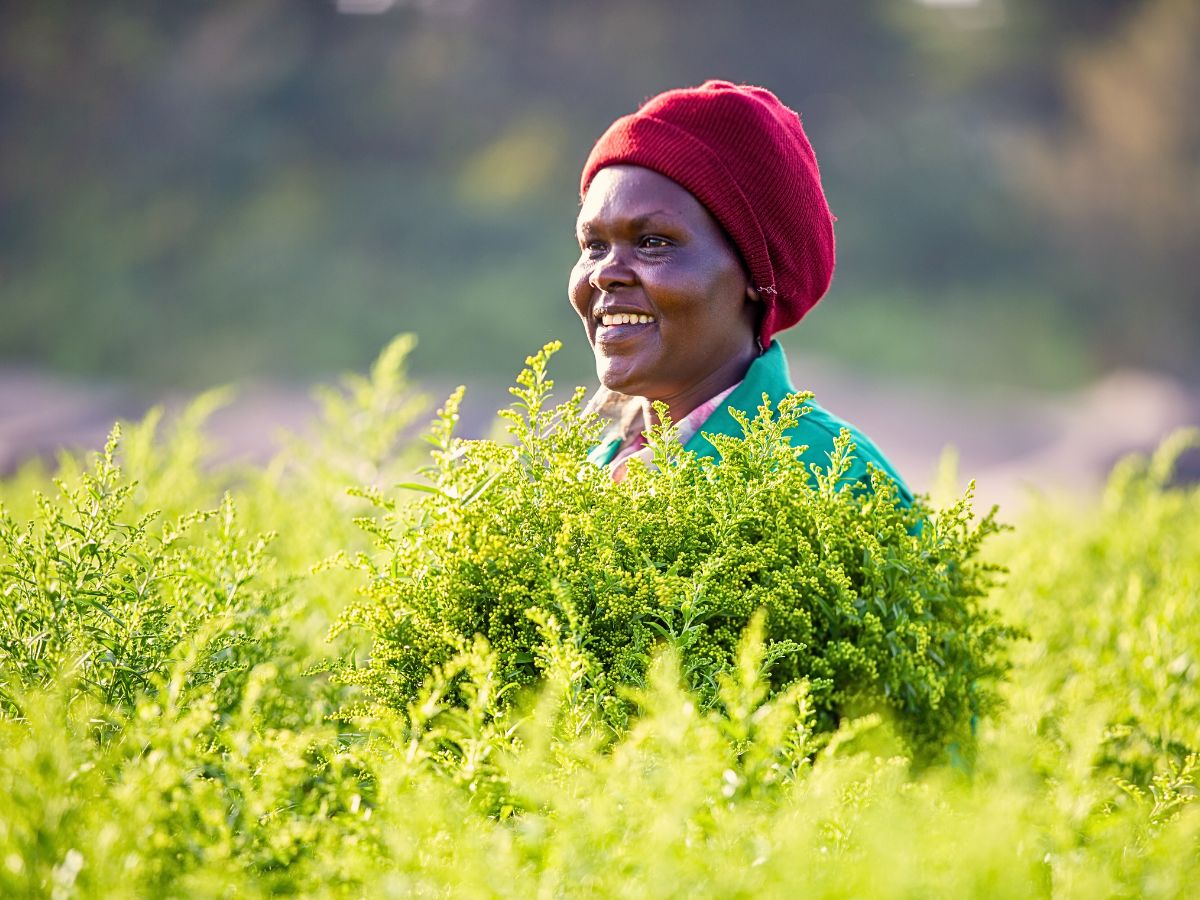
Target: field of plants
394,662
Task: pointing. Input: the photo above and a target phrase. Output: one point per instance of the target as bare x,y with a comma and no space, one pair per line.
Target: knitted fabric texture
744,155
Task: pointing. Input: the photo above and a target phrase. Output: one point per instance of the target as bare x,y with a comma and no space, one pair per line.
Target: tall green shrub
876,606
100,592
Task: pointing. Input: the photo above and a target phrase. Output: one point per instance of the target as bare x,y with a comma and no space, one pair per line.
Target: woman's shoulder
817,430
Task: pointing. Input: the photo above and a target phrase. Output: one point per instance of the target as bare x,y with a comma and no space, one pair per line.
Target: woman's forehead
634,195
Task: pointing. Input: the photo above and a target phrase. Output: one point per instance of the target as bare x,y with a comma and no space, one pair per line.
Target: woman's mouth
613,328
609,319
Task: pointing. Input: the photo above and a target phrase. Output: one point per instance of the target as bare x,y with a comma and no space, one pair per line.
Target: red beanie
744,155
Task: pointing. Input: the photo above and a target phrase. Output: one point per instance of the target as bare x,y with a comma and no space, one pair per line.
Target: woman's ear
752,294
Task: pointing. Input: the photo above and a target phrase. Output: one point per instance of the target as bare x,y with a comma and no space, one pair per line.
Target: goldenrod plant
547,684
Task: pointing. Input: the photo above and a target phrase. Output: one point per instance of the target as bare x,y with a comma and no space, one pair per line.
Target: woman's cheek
578,290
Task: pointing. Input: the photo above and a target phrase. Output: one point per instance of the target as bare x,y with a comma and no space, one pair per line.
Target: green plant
215,776
875,606
102,596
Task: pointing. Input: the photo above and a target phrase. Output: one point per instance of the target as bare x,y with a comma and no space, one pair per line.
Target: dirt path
1012,442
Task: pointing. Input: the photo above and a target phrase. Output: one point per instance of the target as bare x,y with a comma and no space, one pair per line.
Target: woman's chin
618,377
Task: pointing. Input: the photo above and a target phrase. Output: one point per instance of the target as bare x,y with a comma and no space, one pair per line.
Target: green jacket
817,429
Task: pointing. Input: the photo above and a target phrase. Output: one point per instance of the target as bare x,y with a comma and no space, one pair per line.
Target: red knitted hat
744,155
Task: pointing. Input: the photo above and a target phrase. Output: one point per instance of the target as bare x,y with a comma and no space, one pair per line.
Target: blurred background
264,192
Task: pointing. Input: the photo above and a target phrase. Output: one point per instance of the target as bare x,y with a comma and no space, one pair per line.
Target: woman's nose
611,272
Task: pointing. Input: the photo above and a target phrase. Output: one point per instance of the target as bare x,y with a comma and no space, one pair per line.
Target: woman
703,232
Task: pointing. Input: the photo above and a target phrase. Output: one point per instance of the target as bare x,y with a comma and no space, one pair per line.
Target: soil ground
1014,443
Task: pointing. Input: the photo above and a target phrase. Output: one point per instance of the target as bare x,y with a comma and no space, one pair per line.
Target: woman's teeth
625,319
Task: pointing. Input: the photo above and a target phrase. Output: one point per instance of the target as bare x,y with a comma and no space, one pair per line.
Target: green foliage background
164,730
193,192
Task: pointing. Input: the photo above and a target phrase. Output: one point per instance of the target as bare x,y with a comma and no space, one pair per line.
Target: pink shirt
686,430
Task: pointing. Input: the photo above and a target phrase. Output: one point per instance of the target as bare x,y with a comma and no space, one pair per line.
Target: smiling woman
661,291
703,232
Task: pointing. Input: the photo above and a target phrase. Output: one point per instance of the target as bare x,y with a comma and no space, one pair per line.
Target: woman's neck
720,379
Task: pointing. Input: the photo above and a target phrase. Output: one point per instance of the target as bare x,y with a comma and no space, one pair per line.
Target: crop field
393,662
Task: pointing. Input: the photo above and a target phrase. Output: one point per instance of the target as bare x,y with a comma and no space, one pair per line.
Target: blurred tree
1120,177
194,192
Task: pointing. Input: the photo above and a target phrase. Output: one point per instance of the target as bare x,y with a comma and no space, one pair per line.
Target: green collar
767,374
817,430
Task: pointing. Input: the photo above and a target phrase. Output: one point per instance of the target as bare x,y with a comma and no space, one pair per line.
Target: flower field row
374,667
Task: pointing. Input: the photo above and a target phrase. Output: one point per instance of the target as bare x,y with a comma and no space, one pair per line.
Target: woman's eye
594,247
654,242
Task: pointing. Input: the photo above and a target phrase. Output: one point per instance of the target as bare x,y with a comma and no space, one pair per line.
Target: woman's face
662,294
